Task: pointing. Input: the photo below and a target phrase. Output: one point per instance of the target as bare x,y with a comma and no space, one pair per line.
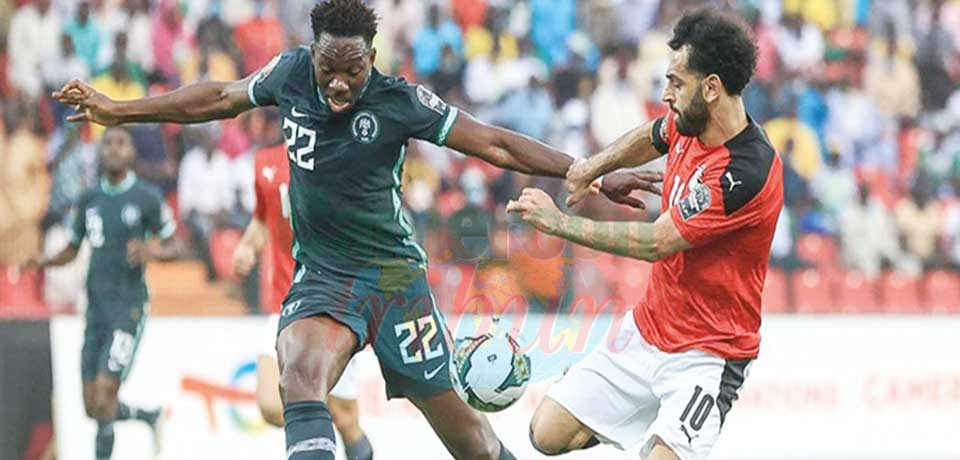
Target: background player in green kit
117,218
361,275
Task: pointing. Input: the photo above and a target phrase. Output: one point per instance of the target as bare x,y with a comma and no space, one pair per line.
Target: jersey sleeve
266,83
160,221
664,133
721,202
428,117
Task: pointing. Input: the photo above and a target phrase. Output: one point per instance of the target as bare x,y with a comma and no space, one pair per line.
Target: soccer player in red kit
673,373
271,221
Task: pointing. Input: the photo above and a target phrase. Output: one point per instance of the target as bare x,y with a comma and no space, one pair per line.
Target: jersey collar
123,186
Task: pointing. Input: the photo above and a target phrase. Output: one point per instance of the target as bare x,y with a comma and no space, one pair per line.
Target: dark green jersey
345,169
108,217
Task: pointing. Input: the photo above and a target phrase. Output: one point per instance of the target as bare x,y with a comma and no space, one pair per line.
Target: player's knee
302,379
544,442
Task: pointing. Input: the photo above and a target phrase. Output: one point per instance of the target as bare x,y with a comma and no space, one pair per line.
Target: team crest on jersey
698,197
431,100
365,127
130,215
269,67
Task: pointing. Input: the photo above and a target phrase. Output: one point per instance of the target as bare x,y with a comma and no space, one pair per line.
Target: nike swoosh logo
430,375
297,114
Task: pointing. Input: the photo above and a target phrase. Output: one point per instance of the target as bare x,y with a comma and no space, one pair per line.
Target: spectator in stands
139,34
449,75
167,36
835,188
868,235
259,39
918,218
551,24
616,106
24,187
800,44
86,34
951,225
805,157
57,72
216,57
935,49
891,79
117,83
72,162
528,110
33,38
206,193
429,43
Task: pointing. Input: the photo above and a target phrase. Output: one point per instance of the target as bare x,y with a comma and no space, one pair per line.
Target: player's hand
618,185
580,181
137,253
244,258
91,104
536,208
35,263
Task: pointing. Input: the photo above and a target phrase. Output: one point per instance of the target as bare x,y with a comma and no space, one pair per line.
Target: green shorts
389,307
110,340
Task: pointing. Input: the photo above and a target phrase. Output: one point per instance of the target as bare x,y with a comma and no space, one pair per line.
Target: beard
693,121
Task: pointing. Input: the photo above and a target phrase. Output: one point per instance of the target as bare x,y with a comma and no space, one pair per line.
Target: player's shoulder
292,62
87,196
746,174
148,192
401,94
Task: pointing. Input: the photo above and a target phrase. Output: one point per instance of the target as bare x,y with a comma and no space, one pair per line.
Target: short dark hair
720,44
344,18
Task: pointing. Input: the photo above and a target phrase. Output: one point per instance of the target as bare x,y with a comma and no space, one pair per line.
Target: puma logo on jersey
686,433
733,183
269,173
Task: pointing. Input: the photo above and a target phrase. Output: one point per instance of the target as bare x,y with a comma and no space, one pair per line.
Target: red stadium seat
811,293
941,292
819,250
21,294
900,293
775,292
855,293
222,244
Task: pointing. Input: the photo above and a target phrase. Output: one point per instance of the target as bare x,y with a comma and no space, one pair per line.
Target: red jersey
725,201
273,208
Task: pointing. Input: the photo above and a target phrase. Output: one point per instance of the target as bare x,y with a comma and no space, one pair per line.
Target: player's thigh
412,342
610,392
465,432
554,430
312,353
696,392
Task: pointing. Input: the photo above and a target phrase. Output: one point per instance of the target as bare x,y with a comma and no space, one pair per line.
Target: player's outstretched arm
506,149
639,240
633,149
193,103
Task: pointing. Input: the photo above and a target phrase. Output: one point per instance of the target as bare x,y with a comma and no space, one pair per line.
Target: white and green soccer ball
489,372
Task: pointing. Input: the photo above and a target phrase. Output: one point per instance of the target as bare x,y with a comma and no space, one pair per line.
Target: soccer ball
489,372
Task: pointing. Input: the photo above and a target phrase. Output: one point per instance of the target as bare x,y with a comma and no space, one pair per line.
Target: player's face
116,151
342,66
684,94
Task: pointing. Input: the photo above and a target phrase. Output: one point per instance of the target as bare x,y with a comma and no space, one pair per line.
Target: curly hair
720,44
344,18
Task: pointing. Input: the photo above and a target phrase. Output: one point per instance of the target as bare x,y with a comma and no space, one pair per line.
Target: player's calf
555,431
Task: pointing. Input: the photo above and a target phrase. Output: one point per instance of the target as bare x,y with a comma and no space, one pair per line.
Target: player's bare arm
139,252
507,149
635,148
65,256
194,103
253,240
638,240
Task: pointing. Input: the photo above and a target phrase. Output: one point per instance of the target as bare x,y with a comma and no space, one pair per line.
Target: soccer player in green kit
117,218
360,275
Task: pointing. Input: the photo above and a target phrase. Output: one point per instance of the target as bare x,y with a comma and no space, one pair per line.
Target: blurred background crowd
860,98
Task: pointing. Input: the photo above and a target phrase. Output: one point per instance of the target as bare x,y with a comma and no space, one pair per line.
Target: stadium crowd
859,97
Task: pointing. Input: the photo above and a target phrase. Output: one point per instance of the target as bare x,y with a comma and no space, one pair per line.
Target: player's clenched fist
580,181
536,208
91,104
244,258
